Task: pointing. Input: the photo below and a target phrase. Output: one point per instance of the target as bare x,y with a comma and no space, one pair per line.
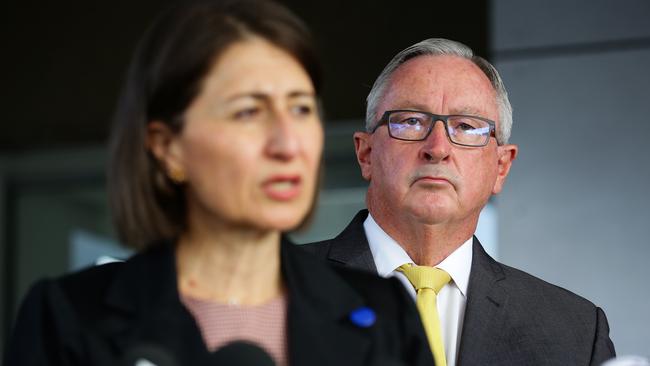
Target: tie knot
425,277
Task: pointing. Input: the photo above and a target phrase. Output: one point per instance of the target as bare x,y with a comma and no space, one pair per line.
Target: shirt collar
389,255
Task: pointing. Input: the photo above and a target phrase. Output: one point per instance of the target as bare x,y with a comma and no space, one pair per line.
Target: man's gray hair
443,47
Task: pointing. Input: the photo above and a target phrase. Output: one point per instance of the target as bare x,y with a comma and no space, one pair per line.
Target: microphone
240,353
148,355
628,360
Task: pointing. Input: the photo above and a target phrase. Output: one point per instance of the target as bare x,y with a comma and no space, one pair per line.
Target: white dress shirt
451,299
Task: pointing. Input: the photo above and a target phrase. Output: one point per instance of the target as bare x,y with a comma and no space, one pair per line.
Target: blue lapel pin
363,317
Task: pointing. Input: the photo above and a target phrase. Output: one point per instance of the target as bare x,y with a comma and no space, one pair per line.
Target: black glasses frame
435,118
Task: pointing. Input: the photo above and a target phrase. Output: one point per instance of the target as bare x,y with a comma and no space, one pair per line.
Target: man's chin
431,215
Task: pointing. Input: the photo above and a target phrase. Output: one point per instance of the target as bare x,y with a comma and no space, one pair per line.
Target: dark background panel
358,38
64,61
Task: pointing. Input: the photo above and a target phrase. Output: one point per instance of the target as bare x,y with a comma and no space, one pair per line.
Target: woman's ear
163,144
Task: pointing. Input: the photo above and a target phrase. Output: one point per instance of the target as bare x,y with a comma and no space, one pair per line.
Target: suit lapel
320,303
351,247
485,310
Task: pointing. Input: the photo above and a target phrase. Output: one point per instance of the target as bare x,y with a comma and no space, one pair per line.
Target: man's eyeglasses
416,126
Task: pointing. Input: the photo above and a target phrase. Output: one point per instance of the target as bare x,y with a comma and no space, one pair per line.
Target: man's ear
507,154
163,144
363,148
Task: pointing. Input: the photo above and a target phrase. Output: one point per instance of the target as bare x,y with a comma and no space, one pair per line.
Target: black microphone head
241,353
148,355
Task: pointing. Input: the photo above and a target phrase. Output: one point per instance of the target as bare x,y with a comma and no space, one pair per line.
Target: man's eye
465,127
412,121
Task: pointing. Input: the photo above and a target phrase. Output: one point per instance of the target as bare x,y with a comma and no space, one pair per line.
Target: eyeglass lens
461,129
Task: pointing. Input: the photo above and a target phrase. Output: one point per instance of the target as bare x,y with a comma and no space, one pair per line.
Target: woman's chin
283,220
283,223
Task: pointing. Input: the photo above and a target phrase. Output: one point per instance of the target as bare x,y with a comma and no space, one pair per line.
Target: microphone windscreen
241,353
148,355
629,360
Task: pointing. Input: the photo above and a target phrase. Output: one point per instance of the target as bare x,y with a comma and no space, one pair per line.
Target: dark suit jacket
96,316
511,318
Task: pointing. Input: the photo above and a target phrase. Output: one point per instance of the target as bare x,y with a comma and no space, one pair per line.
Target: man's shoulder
522,287
532,300
532,311
540,292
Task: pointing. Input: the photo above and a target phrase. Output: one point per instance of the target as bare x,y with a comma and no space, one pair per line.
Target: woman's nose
283,142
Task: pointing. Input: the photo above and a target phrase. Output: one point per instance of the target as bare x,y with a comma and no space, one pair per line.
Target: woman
215,152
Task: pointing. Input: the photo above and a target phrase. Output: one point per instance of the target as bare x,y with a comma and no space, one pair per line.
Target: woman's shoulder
395,328
85,293
388,291
96,274
364,279
52,314
90,282
80,292
384,293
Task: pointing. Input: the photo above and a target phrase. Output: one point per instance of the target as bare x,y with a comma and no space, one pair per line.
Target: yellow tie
427,282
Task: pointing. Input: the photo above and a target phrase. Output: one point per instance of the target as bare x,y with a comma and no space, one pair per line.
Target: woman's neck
230,265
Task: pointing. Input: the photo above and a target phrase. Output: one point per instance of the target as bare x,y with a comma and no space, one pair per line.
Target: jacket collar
352,247
486,307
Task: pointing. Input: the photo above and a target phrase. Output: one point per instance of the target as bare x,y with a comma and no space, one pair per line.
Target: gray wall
576,209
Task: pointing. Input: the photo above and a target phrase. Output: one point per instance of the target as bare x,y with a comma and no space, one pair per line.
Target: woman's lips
282,187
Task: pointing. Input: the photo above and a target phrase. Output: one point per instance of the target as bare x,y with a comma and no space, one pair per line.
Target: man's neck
426,244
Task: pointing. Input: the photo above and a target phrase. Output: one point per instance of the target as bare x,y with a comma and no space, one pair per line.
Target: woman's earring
176,175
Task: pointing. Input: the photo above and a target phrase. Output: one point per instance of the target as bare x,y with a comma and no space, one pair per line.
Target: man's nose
283,142
437,146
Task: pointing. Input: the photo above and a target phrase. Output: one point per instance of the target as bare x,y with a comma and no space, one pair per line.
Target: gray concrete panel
576,209
520,24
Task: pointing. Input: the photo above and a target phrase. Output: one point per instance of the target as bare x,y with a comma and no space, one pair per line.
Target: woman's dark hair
165,75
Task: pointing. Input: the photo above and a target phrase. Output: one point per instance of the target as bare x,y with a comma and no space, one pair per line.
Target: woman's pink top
264,325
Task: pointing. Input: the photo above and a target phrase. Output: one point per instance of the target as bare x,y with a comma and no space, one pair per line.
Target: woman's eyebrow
265,96
254,95
300,93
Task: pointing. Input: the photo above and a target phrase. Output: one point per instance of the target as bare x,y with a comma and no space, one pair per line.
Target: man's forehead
430,65
440,84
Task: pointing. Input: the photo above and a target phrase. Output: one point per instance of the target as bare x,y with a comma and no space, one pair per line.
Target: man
435,150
